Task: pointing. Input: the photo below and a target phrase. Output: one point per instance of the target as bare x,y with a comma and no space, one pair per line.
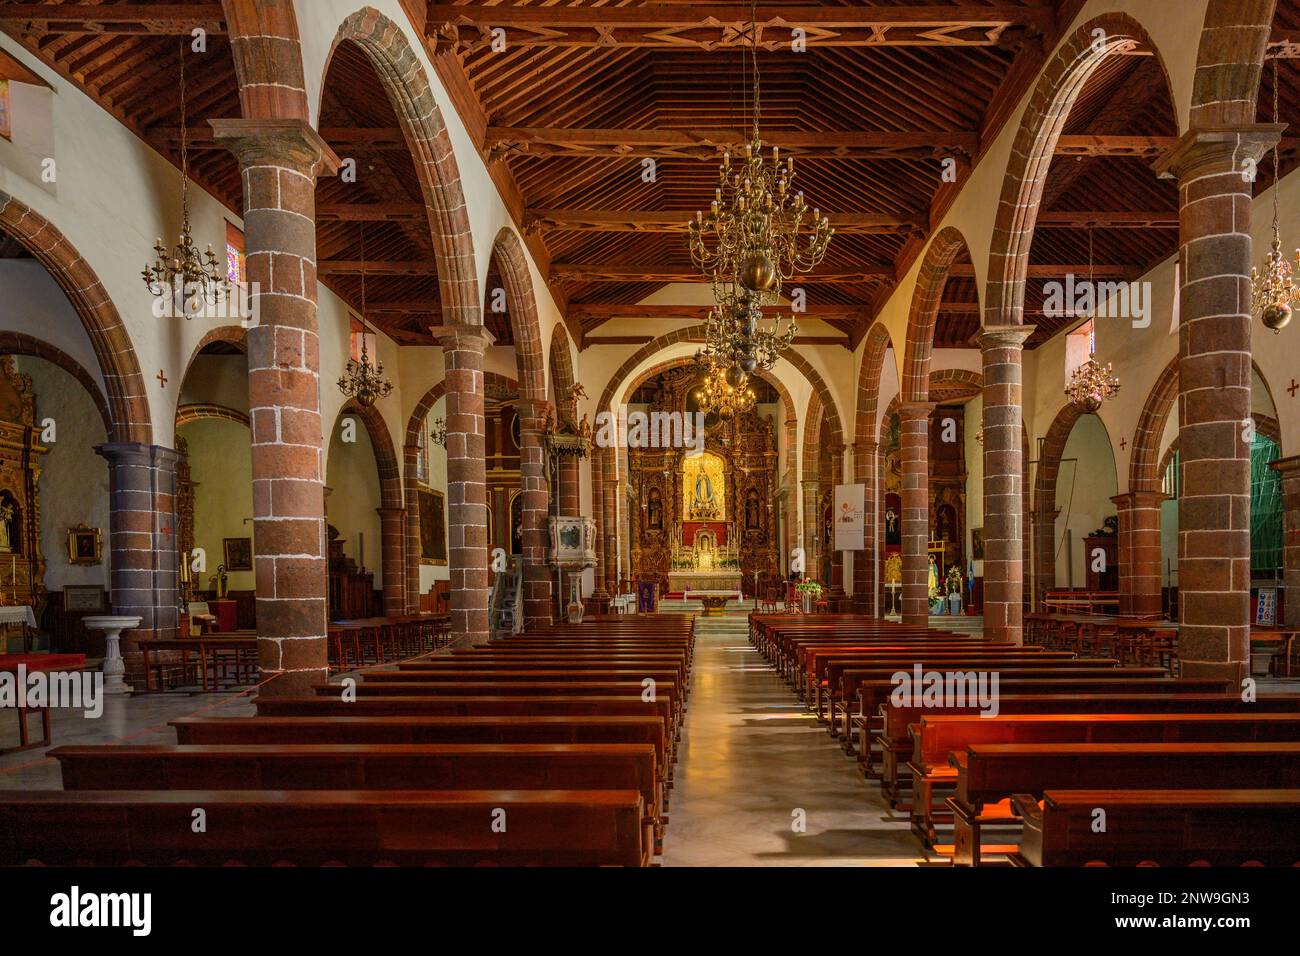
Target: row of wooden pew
1073,761
553,747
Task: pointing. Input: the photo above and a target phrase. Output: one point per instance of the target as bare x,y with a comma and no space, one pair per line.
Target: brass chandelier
183,272
439,432
1090,385
749,244
715,394
1273,291
361,380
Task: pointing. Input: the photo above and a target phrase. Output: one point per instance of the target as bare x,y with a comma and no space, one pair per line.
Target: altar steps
693,606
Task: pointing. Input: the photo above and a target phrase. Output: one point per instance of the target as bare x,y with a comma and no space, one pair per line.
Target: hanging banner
850,526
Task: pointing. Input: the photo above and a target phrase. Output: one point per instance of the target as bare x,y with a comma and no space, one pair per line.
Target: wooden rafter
605,272
378,267
123,19
708,144
606,220
707,27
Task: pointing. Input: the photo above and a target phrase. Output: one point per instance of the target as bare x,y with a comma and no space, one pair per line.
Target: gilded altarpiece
670,485
22,566
947,484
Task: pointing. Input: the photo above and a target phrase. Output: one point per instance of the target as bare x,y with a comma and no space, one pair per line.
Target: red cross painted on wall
1292,387
162,378
1123,443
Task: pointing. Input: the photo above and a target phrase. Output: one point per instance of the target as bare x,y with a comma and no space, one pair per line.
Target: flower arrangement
953,580
809,587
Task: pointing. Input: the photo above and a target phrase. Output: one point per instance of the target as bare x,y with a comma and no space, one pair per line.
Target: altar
688,581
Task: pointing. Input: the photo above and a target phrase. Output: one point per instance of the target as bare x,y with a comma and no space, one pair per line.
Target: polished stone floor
753,763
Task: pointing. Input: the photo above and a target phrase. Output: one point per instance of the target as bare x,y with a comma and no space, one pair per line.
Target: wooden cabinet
1107,580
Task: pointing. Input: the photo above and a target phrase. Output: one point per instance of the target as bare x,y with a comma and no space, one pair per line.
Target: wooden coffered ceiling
583,92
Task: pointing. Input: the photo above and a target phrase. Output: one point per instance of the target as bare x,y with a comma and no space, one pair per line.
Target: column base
1234,671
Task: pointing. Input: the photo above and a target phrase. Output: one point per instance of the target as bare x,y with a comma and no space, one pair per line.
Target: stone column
467,543
611,531
410,455
1042,529
1289,470
532,470
791,535
1004,468
1214,382
1138,552
392,559
837,556
812,489
599,595
865,472
144,568
914,453
279,161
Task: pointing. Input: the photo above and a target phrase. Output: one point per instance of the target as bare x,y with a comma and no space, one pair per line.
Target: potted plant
809,592
937,599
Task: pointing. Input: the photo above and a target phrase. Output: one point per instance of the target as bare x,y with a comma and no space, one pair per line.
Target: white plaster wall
73,486
353,497
35,305
221,467
1084,487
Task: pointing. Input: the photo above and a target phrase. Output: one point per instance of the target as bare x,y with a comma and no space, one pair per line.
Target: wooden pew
988,775
896,744
371,767
1231,827
426,730
321,827
935,737
872,694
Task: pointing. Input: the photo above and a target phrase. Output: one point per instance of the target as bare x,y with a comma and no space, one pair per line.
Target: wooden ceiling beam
590,340
1284,45
707,27
603,310
604,272
378,267
1083,219
405,306
123,19
501,142
372,212
346,137
1060,270
609,220
1137,147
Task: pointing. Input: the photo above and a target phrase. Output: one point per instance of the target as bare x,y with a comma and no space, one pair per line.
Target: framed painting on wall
433,527
85,545
238,553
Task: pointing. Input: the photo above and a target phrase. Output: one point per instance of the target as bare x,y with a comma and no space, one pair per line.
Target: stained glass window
235,269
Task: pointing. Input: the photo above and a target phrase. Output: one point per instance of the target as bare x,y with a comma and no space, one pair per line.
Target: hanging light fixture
439,432
717,395
1090,384
1273,291
362,381
749,244
979,436
183,273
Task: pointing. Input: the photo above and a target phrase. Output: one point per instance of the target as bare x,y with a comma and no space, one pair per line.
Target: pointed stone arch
923,313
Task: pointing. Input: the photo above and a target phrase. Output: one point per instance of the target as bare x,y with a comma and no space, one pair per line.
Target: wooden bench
426,730
372,767
322,827
935,737
988,775
1231,827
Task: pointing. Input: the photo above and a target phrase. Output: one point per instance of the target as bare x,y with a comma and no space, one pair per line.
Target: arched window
1265,509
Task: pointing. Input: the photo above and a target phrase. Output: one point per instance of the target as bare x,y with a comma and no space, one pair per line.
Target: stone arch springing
873,364
923,313
1229,61
128,403
268,58
1059,85
209,411
1143,473
407,86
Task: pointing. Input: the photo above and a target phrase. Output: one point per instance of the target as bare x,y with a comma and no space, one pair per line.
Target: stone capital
1212,150
865,446
535,409
138,454
910,411
389,512
287,143
474,338
1139,499
1003,336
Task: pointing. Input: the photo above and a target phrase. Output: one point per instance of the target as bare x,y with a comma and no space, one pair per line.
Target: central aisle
750,756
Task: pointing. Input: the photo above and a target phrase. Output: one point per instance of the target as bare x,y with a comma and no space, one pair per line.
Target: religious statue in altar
704,502
6,516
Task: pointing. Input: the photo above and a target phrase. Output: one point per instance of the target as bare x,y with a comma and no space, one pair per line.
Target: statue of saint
934,574
703,488
6,515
